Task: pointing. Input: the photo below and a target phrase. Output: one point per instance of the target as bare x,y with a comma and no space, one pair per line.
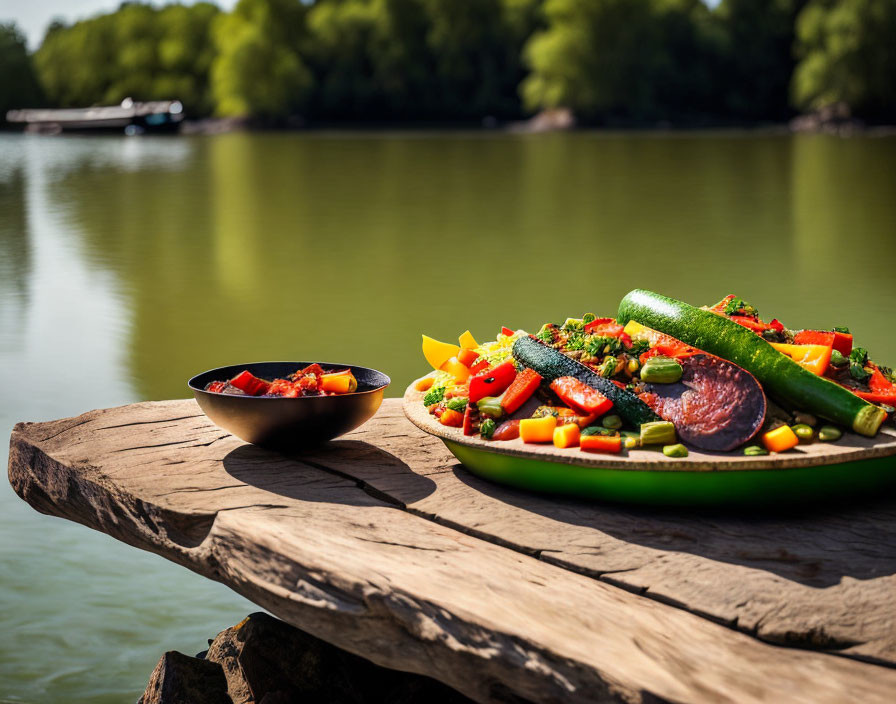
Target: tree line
612,62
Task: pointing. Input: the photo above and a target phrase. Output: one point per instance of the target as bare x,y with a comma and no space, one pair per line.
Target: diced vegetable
434,396
506,331
780,439
677,450
828,433
610,444
520,390
755,451
490,406
424,384
437,353
661,432
814,337
467,357
250,384
458,403
552,364
493,382
815,358
566,435
339,383
538,429
779,375
467,341
803,432
508,430
661,370
468,419
454,419
487,428
460,371
842,341
580,396
611,422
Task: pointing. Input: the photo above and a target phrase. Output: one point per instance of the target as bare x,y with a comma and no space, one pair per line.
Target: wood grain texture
381,545
849,448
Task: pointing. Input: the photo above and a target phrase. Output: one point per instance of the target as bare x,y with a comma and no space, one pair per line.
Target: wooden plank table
381,544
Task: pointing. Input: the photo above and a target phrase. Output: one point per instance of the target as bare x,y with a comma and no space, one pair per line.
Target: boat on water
130,117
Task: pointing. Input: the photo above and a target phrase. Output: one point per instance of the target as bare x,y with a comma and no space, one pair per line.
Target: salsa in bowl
283,405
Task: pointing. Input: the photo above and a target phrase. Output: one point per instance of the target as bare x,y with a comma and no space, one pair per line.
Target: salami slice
716,405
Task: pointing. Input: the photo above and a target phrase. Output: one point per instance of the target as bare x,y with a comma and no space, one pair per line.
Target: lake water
129,264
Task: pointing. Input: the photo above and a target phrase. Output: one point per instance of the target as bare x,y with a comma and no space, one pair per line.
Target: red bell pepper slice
216,387
468,419
814,337
493,382
597,322
521,390
611,444
579,396
506,331
776,325
250,384
480,366
755,325
843,343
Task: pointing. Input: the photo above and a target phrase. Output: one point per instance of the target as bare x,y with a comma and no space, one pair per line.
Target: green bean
677,450
828,433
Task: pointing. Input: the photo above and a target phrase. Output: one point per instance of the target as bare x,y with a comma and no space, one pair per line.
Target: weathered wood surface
382,545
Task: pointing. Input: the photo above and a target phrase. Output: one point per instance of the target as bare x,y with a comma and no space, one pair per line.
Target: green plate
853,466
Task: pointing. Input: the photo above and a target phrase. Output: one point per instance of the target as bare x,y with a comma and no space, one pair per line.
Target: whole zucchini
552,364
779,374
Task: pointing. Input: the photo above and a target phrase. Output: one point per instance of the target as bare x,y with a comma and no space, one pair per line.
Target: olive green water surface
128,265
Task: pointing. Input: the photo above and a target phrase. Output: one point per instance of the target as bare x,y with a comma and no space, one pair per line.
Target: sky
33,16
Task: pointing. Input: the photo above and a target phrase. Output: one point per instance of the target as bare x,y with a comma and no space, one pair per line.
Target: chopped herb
588,318
546,334
844,330
738,306
457,404
608,368
435,395
576,341
857,359
544,411
598,345
638,347
487,428
837,359
573,324
888,374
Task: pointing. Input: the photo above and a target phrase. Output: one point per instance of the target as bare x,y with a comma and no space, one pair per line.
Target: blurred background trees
18,82
625,62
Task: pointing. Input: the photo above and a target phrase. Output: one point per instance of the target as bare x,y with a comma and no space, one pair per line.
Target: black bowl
289,423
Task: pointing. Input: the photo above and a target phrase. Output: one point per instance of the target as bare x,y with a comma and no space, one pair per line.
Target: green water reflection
126,266
347,247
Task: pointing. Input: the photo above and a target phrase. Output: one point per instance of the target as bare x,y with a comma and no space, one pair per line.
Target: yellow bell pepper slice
636,331
780,439
437,353
538,429
815,358
341,383
566,435
467,341
457,369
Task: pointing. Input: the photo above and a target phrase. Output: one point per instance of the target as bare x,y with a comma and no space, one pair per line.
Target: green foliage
18,84
623,60
846,51
258,69
139,51
609,61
